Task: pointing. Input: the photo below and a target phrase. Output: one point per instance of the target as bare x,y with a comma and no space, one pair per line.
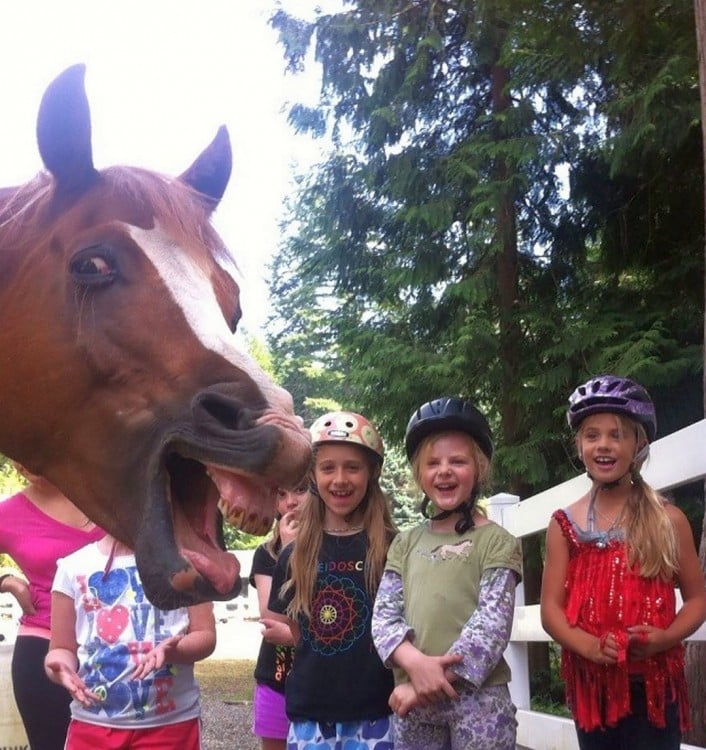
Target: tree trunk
696,652
510,346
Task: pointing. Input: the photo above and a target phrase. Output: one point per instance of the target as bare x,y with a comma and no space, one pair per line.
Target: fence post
498,506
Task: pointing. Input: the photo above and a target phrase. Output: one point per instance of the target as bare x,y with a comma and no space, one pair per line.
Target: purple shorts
269,717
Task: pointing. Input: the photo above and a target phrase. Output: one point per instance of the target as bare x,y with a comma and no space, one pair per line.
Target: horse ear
64,131
210,173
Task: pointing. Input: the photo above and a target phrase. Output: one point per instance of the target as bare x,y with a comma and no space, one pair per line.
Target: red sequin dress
604,596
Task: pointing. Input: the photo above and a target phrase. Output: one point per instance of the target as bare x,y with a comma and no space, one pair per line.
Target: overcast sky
161,78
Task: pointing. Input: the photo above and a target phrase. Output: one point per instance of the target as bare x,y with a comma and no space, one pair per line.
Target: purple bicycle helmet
448,413
611,393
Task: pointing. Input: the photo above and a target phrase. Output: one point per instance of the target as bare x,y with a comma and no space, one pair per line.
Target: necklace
343,530
603,537
612,521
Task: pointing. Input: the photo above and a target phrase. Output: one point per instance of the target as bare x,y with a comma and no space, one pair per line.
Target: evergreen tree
438,237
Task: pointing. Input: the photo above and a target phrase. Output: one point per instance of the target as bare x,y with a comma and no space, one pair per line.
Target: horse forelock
26,213
173,203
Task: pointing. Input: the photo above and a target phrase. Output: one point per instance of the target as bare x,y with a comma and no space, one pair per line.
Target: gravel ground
227,726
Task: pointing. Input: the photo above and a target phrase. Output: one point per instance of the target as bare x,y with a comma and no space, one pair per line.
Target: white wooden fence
675,460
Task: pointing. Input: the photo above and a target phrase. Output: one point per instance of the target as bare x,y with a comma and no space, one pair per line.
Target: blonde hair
304,561
274,543
480,460
649,533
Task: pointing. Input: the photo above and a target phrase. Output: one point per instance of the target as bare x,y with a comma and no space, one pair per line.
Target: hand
428,675
403,699
612,648
68,678
607,652
288,526
644,641
155,658
19,588
276,632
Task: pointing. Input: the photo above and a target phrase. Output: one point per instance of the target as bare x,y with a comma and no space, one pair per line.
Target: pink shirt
35,541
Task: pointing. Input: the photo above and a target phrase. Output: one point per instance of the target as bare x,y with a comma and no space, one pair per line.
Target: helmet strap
465,509
439,516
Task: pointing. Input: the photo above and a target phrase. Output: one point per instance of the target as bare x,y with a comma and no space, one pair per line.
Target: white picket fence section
675,460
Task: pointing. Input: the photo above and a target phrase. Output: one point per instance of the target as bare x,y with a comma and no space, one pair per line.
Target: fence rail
675,460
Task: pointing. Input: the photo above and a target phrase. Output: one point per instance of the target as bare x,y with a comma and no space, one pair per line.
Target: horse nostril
226,412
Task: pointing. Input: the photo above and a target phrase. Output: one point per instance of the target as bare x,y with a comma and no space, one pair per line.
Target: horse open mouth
201,496
221,462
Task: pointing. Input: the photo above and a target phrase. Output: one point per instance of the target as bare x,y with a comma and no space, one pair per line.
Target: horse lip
247,451
170,580
158,558
180,562
264,454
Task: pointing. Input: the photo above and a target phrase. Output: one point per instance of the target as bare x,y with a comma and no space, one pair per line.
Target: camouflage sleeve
389,628
485,635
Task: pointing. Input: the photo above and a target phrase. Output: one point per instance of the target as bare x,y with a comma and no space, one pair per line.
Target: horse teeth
233,516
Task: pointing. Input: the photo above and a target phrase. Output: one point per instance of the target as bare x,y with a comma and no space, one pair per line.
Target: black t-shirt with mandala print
337,674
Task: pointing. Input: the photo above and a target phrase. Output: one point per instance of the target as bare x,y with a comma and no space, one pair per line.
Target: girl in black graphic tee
324,584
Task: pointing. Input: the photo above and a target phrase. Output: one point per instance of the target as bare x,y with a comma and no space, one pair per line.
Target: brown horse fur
121,381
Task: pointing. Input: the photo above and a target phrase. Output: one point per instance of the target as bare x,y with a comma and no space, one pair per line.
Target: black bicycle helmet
448,413
611,393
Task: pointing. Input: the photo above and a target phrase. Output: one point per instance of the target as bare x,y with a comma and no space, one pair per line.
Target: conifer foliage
513,201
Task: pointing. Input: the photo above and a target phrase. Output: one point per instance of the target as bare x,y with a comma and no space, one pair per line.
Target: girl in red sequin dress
613,560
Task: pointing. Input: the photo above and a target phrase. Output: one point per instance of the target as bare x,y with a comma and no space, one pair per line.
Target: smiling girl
325,583
613,560
444,609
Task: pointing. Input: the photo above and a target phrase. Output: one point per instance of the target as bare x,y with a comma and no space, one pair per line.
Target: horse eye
92,266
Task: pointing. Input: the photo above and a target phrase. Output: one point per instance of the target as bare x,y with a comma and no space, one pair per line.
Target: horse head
122,382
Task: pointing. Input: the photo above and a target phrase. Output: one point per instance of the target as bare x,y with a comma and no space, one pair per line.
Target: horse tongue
244,504
221,573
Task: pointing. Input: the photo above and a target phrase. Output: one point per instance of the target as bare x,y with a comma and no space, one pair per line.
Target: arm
556,565
646,640
276,605
10,583
275,630
196,644
389,628
61,661
485,636
392,637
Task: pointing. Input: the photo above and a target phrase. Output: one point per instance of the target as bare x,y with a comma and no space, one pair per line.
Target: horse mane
25,211
20,209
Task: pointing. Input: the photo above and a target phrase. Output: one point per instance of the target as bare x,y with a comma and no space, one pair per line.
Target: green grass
228,680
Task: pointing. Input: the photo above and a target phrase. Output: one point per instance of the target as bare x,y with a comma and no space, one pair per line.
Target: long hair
273,544
377,524
649,533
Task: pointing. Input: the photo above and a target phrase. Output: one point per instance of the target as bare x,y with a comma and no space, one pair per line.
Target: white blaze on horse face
191,289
